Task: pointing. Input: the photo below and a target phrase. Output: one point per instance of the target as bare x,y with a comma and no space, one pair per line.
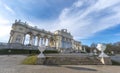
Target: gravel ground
12,64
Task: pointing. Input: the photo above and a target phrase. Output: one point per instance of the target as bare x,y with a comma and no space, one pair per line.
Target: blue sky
88,21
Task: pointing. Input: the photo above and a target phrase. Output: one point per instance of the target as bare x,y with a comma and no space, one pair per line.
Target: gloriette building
24,34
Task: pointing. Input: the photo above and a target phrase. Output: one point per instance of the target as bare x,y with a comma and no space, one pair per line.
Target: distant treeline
110,47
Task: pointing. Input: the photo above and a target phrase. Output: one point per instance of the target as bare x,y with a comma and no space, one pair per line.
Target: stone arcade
61,40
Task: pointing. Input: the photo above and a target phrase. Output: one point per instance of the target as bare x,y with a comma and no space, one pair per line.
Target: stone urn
41,48
95,52
105,59
102,47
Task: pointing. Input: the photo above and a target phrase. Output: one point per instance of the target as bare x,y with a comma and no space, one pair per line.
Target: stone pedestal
41,49
106,60
40,61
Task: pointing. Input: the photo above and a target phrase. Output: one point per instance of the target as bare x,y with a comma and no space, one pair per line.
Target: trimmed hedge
17,51
50,51
115,63
23,51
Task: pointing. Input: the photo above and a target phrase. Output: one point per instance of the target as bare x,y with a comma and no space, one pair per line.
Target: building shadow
52,65
75,68
82,68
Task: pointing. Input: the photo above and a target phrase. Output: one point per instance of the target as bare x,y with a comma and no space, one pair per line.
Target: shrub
50,51
115,63
30,60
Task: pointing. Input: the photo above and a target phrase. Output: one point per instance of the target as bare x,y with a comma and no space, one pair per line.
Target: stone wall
68,61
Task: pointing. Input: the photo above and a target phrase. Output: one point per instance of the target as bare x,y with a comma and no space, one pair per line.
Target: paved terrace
12,64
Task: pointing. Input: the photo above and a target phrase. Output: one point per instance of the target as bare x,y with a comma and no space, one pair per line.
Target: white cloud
85,21
3,21
9,9
5,30
78,3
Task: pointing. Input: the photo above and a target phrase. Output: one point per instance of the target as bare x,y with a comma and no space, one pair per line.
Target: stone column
65,43
62,41
48,41
38,41
45,41
24,39
34,40
31,40
55,43
41,41
10,38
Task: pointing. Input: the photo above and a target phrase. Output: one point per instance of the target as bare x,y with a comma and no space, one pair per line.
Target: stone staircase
73,60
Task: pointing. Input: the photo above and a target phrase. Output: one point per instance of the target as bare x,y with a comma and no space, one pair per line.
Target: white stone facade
60,39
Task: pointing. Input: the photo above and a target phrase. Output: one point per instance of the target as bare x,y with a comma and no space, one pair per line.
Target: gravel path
12,64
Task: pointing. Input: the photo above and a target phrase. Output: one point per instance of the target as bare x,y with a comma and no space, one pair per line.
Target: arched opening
52,42
46,40
38,40
35,40
27,39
